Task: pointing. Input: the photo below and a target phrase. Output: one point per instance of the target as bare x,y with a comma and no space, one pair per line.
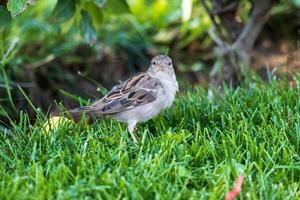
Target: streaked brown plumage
139,98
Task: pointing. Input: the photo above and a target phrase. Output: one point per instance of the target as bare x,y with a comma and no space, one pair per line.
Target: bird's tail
77,113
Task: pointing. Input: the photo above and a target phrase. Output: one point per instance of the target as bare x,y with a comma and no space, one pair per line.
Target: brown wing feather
139,90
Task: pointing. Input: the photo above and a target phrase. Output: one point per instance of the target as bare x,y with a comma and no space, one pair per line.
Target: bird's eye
169,63
154,63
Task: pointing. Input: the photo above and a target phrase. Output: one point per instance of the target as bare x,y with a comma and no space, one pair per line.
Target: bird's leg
131,126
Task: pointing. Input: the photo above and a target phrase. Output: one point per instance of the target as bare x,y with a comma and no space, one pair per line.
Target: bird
139,98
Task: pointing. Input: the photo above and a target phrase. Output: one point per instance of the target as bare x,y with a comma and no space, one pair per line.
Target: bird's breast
143,113
169,92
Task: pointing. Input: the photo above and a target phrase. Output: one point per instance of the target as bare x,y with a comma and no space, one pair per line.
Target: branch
230,7
212,17
259,16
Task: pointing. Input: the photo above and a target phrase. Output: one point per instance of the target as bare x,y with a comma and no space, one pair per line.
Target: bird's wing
136,91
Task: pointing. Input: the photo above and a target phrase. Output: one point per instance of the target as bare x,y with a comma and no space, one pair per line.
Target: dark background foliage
71,51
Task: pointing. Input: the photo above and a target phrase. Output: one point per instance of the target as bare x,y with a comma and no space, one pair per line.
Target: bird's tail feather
77,113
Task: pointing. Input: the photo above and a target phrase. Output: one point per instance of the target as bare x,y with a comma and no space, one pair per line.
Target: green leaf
63,11
100,3
297,3
186,7
5,17
87,30
116,6
17,6
95,12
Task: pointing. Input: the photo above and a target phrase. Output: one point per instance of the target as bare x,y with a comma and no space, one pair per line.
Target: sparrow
139,98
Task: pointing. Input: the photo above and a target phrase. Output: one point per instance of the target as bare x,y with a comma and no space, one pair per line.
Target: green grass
195,150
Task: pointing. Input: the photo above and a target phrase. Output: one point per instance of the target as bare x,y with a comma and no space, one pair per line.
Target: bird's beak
161,67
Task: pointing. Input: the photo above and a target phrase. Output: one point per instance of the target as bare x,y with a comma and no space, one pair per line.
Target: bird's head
161,64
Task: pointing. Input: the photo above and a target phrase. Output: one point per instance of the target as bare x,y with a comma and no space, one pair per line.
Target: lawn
195,150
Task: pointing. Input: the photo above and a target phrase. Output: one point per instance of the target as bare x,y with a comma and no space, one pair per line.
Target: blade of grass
100,87
74,97
28,100
38,113
7,87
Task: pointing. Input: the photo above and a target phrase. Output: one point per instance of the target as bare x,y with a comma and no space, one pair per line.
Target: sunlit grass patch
195,150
